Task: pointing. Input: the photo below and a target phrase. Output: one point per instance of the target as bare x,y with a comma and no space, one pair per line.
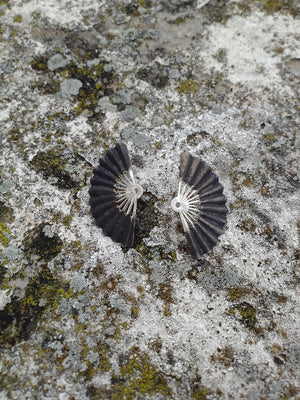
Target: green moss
47,85
187,86
96,81
20,316
178,20
53,164
224,356
157,75
38,243
132,8
165,293
145,251
244,125
4,231
147,219
167,311
40,63
170,256
7,382
3,270
139,378
248,225
57,216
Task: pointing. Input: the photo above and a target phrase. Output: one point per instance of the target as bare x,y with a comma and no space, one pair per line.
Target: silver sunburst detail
127,193
187,204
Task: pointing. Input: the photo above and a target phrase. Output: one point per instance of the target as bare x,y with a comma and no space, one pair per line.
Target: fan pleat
210,235
214,199
201,239
121,234
211,225
96,180
185,163
202,172
130,236
204,233
106,163
104,173
124,156
114,157
218,209
96,191
210,190
193,243
217,218
209,179
99,208
108,216
99,200
110,227
104,217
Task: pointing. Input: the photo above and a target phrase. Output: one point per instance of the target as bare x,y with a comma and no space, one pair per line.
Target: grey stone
70,87
57,61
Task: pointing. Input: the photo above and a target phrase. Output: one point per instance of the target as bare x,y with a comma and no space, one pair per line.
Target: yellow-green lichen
139,377
67,220
270,137
235,293
134,312
247,313
187,86
18,18
105,364
199,393
272,6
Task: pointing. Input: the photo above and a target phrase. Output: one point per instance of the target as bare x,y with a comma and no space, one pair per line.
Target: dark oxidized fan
114,194
200,203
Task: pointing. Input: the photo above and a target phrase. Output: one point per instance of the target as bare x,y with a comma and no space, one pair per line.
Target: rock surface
80,316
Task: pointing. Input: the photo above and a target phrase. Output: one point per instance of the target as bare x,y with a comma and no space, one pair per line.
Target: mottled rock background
83,318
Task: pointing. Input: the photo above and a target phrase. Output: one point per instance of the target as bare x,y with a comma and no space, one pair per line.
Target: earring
200,203
114,194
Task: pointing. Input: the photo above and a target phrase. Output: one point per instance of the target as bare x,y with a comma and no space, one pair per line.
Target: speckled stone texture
83,318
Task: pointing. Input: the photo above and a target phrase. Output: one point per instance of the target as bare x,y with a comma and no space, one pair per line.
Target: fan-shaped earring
114,194
200,203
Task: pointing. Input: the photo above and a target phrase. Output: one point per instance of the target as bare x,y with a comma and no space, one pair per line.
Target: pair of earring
200,201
